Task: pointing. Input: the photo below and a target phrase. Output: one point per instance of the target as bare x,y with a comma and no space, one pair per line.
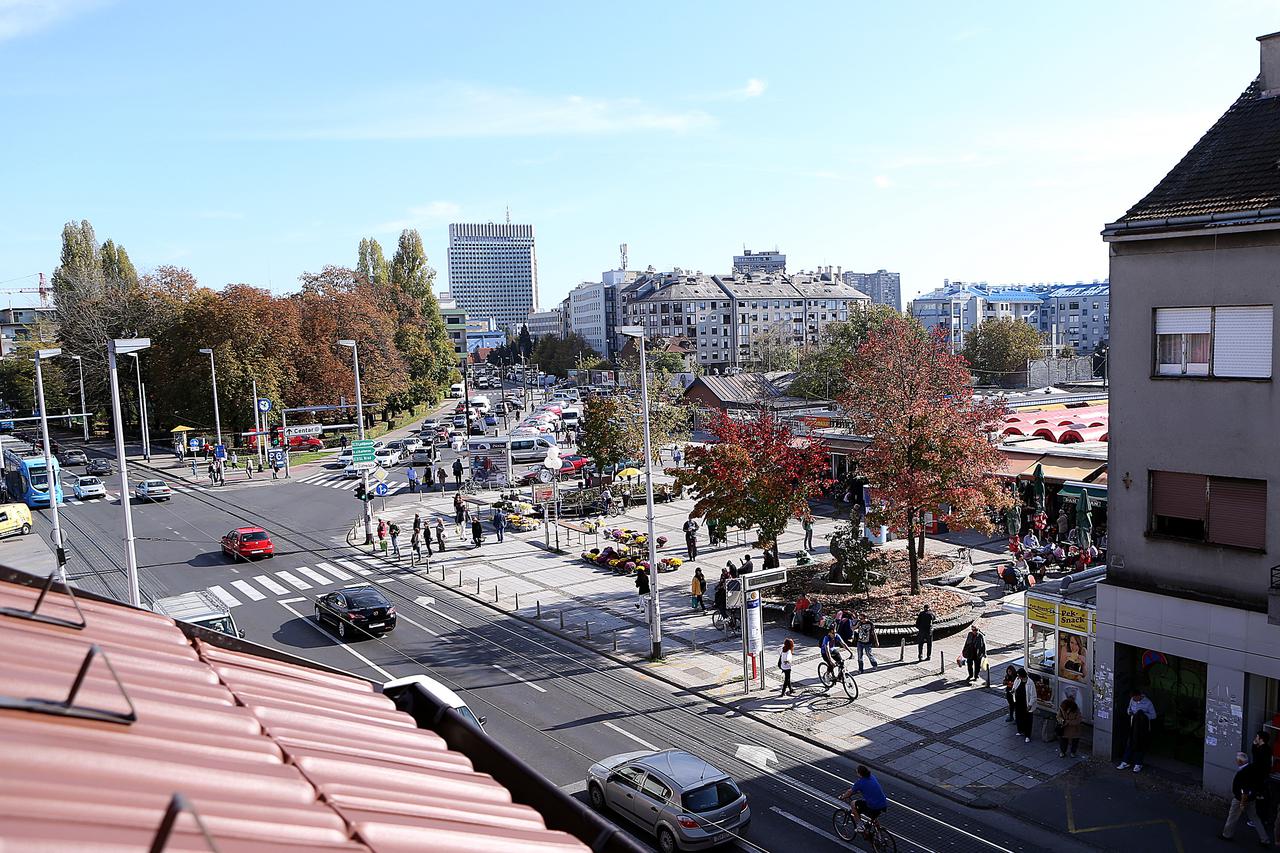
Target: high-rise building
493,271
1190,609
593,311
884,288
766,262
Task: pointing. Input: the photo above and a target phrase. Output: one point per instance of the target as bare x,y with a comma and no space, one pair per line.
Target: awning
1017,464
1065,468
1071,492
183,429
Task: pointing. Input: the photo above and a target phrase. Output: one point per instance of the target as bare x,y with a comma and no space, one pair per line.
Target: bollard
562,618
615,639
942,663
538,603
988,673
495,593
902,649
588,630
517,601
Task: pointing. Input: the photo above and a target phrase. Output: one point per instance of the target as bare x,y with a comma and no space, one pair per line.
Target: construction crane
42,289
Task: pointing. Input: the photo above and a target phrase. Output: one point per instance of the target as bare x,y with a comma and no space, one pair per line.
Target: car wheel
596,796
26,528
666,840
342,630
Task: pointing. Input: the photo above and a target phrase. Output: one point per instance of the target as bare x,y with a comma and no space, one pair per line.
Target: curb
977,802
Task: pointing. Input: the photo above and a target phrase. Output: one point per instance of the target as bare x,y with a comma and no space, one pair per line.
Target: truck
200,607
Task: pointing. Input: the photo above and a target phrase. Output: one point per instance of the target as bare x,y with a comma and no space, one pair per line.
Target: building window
1215,510
1230,342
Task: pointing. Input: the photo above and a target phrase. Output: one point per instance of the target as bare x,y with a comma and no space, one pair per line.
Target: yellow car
15,518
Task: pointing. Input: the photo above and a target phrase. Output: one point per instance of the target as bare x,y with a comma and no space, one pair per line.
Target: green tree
613,428
372,263
774,349
604,433
1067,351
821,368
998,350
525,341
558,355
116,265
420,334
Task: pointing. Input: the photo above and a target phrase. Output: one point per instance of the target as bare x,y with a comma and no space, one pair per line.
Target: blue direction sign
380,490
275,457
219,451
264,405
193,443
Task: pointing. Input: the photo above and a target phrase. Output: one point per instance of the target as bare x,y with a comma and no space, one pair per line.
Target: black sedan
358,611
98,467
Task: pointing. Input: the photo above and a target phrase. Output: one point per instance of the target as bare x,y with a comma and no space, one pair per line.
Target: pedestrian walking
477,532
441,477
975,649
807,525
1246,787
457,472
417,522
698,590
342,442
785,659
924,634
677,456
771,560
440,534
459,509
865,633
394,530
642,591
1022,705
499,523
412,476
691,537
1141,715
747,566
415,545
1010,677
248,469
194,464
275,470
1068,727
235,459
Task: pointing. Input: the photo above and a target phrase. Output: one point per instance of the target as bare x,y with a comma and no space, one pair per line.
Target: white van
456,390
571,416
481,404
436,691
200,607
531,448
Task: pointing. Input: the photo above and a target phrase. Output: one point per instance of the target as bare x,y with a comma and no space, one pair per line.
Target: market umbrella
1013,518
182,429
629,472
1084,520
1037,486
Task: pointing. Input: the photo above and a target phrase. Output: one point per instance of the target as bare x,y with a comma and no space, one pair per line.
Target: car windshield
222,625
466,714
254,537
708,798
153,484
365,598
90,481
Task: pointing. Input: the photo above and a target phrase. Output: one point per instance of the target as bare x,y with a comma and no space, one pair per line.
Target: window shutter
1242,341
1238,512
1178,495
1182,321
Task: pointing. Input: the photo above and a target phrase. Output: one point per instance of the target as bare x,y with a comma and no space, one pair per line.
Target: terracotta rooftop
272,756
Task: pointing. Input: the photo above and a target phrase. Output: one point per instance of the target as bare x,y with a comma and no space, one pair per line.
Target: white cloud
458,111
755,88
23,17
422,216
882,182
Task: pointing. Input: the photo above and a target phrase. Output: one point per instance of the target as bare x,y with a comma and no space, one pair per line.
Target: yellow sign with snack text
1072,618
1039,610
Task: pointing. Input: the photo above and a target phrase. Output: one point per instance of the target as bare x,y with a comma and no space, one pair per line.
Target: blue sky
253,141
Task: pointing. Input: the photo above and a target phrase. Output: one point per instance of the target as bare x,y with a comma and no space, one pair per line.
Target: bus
26,480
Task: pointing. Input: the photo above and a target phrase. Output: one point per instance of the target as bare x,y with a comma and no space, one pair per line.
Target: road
558,705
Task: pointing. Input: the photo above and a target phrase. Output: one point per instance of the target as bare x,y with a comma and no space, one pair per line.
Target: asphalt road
556,704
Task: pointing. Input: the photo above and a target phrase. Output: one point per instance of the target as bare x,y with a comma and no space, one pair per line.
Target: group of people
420,538
1033,558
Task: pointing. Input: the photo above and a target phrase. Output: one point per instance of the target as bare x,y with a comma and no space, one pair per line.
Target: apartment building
593,310
957,309
760,262
884,288
1190,611
1077,314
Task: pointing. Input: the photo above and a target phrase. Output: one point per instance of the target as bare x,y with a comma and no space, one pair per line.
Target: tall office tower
493,271
766,262
884,288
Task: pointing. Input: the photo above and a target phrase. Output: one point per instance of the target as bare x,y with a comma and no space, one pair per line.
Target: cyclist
870,800
610,508
831,643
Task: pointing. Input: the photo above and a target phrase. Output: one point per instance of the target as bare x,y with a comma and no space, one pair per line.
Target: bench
582,531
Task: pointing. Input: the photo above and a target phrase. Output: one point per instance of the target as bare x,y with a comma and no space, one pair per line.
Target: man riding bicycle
831,641
870,800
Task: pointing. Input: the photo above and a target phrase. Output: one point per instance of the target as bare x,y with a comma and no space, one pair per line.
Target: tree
558,355
613,428
604,433
998,350
774,348
821,370
931,444
1067,351
524,341
371,263
755,474
420,331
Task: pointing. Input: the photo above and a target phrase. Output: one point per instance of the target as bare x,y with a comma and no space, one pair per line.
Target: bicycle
828,678
729,624
848,824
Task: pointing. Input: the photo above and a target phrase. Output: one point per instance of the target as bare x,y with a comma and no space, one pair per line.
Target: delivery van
200,607
15,519
456,390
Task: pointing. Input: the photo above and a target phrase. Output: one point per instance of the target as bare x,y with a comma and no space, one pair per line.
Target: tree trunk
920,554
912,559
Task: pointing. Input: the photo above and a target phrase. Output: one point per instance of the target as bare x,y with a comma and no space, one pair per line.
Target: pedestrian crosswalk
331,480
301,579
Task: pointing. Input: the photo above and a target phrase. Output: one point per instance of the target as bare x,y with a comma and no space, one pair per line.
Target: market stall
1060,625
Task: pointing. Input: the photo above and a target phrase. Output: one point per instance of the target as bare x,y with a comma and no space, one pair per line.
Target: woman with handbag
1068,727
784,663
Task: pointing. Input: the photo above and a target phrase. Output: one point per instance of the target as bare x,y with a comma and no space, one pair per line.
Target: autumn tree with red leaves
755,474
931,439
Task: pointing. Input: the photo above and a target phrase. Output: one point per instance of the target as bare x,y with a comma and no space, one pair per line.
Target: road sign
275,457
380,475
304,429
362,450
366,465
264,405
380,490
193,443
219,451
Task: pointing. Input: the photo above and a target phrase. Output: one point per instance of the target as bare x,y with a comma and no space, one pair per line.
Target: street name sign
362,450
304,429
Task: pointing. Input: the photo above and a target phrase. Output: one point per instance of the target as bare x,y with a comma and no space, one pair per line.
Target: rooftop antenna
508,214
622,249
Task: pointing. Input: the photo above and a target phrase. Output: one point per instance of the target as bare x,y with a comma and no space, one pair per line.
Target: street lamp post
213,369
124,346
655,617
364,475
552,463
84,414
51,483
142,409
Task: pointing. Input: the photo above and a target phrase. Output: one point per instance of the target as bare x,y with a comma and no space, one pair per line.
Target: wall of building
493,271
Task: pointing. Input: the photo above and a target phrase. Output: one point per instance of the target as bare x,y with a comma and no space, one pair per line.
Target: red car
305,442
245,543
578,462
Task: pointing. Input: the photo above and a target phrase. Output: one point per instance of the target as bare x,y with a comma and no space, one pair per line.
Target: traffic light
360,492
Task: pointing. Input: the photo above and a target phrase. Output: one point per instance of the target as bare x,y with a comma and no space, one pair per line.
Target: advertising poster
1072,651
490,462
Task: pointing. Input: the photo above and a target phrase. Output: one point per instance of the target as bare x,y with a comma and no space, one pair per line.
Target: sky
250,142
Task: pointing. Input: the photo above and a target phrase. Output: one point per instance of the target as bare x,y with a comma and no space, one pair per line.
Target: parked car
245,543
98,467
360,610
152,490
73,457
88,487
578,462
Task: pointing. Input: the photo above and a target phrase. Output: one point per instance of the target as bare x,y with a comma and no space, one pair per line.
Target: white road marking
347,564
435,634
291,600
293,581
317,626
333,570
74,502
350,484
525,681
271,585
320,580
224,596
620,730
806,824
249,590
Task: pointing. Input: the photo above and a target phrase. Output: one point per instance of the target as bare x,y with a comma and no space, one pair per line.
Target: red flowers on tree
757,474
931,440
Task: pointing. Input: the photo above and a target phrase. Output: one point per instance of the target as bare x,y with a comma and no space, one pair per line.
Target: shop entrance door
1176,686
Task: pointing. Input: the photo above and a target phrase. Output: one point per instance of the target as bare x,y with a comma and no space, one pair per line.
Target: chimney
1270,73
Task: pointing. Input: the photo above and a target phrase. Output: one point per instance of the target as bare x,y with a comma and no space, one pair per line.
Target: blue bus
26,480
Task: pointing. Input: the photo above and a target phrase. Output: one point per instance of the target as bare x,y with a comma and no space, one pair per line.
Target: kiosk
1060,624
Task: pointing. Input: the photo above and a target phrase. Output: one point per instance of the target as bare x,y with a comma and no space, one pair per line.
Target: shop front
1060,626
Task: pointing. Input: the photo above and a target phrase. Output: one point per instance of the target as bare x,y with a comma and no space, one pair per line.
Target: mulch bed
891,602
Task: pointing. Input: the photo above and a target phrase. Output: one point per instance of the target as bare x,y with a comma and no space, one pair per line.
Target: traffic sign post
264,405
362,450
275,457
219,451
304,429
380,490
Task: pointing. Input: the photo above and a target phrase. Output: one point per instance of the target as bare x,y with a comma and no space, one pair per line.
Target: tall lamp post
118,347
51,483
84,415
213,370
364,475
142,409
655,617
553,463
